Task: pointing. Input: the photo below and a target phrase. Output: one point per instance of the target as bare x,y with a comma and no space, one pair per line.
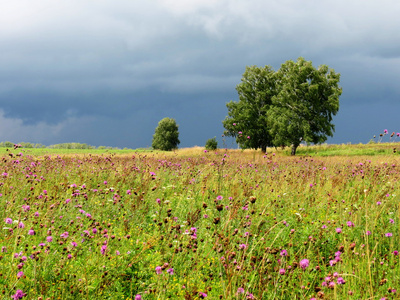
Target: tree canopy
284,107
166,136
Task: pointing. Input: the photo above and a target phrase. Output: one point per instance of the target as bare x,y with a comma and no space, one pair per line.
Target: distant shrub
166,136
212,144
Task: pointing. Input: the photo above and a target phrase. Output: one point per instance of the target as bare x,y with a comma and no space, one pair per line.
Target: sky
106,72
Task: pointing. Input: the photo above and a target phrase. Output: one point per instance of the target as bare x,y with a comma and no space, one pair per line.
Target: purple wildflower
340,280
242,246
19,294
170,271
304,263
202,295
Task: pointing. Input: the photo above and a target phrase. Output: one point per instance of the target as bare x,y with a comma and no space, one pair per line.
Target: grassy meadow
195,224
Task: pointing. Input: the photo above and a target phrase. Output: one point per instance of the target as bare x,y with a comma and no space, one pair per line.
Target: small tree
166,136
212,144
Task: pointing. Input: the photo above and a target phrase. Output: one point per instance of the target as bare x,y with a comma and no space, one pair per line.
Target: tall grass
192,224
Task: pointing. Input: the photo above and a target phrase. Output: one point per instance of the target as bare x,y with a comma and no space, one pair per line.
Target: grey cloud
135,62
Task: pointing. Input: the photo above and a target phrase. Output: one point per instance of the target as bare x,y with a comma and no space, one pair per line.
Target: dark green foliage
212,144
249,115
306,100
284,108
166,136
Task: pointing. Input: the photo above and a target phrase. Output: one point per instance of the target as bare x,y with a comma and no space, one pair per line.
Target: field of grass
191,224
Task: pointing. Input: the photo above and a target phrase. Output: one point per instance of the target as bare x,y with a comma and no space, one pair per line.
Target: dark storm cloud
107,72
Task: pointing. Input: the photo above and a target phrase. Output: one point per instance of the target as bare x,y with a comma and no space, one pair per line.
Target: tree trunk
294,148
264,149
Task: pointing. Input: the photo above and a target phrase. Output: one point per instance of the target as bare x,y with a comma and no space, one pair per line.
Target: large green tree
166,136
247,119
307,99
284,108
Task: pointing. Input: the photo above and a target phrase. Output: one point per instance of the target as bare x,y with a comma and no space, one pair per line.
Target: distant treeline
55,146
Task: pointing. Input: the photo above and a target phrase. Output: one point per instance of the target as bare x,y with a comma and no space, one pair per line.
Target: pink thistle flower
202,295
242,246
395,252
240,290
20,274
8,221
49,238
19,294
282,271
284,252
158,270
170,271
389,234
340,280
64,235
368,232
304,263
31,232
350,224
338,230
138,297
391,221
21,225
